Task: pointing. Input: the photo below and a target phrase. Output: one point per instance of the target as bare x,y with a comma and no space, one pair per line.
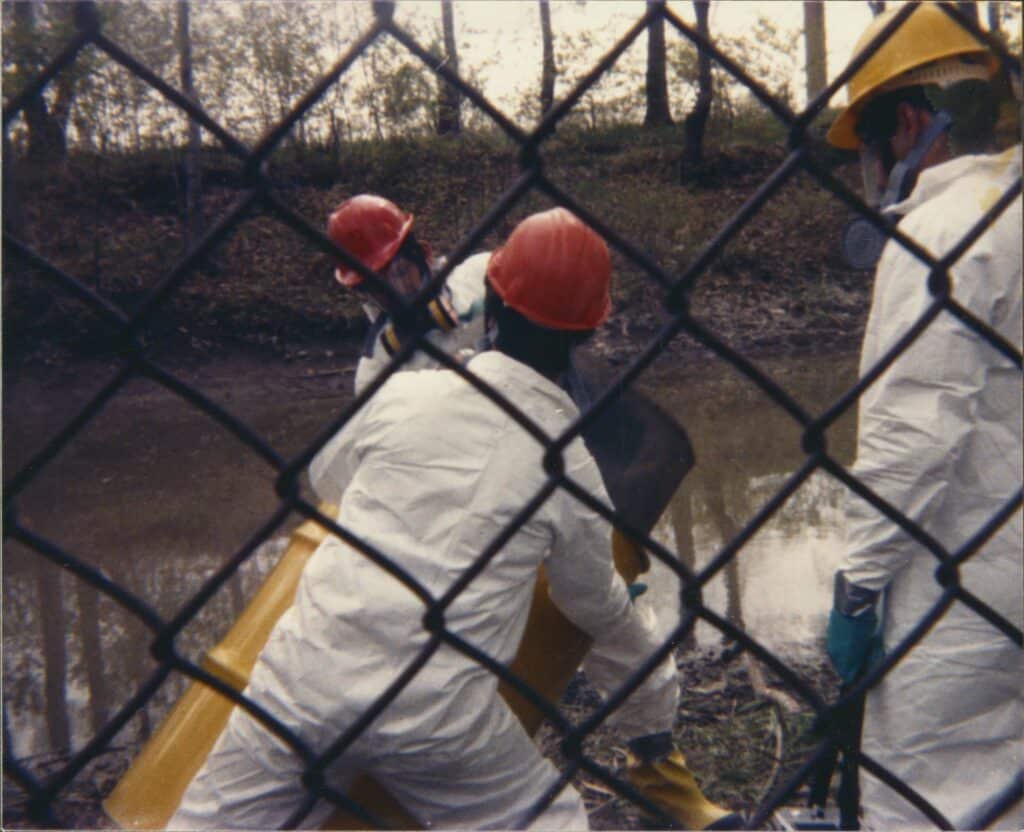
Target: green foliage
398,93
617,97
767,56
130,107
27,50
33,35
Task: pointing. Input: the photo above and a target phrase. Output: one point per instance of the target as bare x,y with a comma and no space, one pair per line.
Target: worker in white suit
380,234
939,434
429,473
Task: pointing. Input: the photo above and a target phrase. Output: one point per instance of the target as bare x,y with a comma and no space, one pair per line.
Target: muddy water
157,496
778,586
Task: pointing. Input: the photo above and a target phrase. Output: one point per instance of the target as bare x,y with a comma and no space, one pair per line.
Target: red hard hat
554,270
369,227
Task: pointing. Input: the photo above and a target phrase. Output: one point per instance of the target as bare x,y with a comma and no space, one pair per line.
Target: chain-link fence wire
258,192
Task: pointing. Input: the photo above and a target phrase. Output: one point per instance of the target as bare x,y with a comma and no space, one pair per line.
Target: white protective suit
940,439
429,471
465,287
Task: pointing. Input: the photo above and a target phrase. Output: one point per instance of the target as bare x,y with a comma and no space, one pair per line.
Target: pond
779,585
157,496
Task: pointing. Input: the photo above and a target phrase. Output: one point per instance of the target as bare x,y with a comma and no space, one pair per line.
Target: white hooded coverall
939,438
429,472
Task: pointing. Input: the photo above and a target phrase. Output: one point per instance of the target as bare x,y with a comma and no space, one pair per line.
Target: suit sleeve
585,586
917,420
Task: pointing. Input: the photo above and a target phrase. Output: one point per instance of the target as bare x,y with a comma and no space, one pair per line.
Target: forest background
108,180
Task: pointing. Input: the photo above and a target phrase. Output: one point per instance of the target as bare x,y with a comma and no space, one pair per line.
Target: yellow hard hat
928,47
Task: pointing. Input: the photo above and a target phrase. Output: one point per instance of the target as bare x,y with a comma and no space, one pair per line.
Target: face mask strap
905,168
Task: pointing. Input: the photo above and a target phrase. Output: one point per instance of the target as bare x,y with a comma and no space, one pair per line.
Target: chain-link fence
44,792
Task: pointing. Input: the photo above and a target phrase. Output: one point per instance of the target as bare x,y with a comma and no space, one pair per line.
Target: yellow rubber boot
670,785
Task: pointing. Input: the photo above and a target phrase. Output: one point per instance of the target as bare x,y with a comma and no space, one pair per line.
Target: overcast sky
504,35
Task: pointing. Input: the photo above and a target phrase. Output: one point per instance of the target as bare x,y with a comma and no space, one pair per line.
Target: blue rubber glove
853,644
636,589
852,640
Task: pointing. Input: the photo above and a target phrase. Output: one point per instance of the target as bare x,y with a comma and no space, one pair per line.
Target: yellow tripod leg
553,647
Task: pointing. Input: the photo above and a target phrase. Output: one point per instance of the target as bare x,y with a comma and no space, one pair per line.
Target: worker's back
428,473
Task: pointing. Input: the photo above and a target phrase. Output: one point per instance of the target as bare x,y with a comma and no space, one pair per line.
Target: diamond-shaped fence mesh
42,789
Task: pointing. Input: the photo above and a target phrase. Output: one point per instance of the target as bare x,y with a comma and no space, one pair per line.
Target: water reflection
72,656
779,586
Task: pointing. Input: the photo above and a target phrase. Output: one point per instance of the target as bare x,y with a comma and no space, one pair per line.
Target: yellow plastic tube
149,792
551,650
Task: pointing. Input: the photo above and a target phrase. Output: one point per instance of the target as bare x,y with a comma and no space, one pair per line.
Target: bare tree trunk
92,653
696,121
814,40
55,659
970,9
995,25
193,174
334,136
659,113
371,73
46,138
13,217
449,100
728,529
876,6
547,71
236,592
681,515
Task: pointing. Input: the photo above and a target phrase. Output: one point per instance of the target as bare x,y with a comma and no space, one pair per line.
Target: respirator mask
863,241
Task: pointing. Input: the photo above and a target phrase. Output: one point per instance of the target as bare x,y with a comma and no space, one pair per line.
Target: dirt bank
776,283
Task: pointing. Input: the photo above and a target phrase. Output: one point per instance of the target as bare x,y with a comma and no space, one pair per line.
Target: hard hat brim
350,278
